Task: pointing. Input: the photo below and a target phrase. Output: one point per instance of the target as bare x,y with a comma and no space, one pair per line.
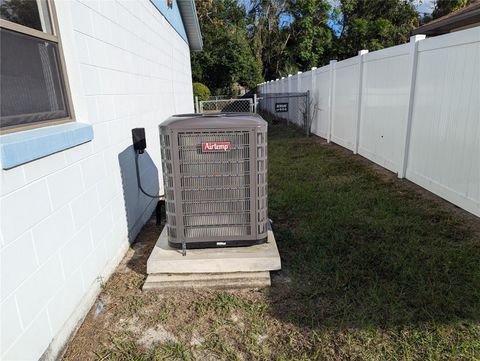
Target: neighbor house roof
191,24
464,17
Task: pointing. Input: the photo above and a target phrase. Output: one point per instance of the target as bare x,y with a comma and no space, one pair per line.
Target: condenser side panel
168,181
261,182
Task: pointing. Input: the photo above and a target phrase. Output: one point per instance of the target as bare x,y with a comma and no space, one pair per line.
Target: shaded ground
374,268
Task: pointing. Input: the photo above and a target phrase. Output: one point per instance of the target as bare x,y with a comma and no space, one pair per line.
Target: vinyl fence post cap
417,37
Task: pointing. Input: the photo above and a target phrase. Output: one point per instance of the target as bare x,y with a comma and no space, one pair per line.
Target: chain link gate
293,108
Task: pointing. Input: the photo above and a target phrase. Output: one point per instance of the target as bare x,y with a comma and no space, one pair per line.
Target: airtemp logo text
216,146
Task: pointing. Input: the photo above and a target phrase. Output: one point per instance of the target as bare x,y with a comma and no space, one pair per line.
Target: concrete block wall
67,219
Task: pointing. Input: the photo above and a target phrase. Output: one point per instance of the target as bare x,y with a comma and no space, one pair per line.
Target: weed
121,349
172,351
101,281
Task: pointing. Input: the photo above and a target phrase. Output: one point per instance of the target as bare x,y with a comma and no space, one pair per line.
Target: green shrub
201,90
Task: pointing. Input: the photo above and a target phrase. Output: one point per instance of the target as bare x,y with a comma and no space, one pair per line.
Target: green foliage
443,7
227,57
201,91
372,25
269,33
311,37
277,37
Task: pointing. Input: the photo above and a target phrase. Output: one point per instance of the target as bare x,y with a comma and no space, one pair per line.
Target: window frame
54,38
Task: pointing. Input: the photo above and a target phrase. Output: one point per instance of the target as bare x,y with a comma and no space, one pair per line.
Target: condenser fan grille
215,186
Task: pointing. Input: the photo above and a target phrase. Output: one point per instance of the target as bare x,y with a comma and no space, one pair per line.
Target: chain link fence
244,105
292,108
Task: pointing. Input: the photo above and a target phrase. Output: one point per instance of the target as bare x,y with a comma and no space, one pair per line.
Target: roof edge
190,22
468,15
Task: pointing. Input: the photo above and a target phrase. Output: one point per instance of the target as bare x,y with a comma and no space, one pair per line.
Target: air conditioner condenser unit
215,178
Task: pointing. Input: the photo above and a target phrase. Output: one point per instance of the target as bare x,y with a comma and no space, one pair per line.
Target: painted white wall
67,219
421,115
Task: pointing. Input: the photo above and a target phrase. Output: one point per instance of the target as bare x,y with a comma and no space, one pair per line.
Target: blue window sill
25,146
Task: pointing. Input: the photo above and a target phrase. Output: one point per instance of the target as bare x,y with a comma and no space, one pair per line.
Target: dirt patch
115,310
126,321
197,340
155,335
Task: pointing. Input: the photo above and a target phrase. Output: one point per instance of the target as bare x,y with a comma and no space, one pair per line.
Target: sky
425,6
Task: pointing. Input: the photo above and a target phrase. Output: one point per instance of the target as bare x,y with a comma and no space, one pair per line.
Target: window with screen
33,89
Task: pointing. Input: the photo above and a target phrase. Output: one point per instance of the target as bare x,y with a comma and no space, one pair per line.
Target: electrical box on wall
139,141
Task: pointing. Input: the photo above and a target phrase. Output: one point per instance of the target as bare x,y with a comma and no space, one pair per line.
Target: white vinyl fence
413,109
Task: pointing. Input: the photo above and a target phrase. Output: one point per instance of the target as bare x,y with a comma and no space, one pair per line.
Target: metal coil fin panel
215,187
168,182
262,183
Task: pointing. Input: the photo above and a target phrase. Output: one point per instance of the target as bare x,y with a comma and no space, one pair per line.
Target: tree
311,37
444,7
227,57
269,33
372,25
277,37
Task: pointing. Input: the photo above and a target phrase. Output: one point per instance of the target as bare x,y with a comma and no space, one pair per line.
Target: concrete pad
258,258
207,280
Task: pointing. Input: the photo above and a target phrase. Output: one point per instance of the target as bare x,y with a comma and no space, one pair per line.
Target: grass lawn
374,268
